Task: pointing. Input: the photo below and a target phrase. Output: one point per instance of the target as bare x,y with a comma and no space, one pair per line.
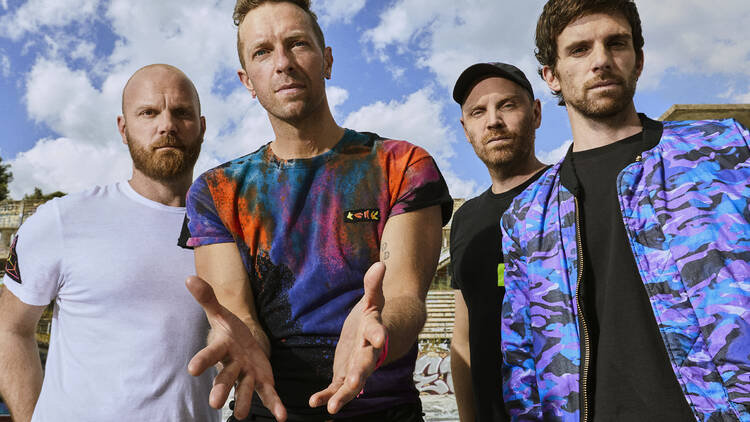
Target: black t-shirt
475,257
631,378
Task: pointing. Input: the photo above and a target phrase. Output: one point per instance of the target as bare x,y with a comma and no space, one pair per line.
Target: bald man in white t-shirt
124,326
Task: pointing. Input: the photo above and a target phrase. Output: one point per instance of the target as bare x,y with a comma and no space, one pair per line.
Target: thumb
373,282
203,294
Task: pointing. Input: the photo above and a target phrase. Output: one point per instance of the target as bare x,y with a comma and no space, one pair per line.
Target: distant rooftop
741,112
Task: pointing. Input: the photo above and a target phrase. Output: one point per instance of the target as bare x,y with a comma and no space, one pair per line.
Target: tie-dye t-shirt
307,230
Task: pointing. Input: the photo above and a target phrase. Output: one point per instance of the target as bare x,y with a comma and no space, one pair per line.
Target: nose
495,118
167,123
601,58
282,60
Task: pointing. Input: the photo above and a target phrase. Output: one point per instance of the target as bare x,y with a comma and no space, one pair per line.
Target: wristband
381,359
383,353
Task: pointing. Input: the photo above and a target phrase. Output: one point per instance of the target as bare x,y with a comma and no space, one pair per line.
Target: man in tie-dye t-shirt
286,235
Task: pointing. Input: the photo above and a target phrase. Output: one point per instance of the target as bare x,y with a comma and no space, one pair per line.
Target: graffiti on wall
432,375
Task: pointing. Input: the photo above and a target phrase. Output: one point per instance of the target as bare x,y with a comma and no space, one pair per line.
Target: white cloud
336,96
331,11
84,51
4,3
65,101
36,13
555,155
416,119
446,36
695,37
743,98
4,65
68,165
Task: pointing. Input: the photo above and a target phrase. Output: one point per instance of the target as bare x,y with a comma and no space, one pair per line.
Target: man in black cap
500,116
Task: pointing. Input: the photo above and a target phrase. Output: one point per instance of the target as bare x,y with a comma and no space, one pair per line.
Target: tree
5,178
39,196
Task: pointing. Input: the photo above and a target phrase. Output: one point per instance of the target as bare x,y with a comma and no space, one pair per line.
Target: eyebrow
584,41
297,33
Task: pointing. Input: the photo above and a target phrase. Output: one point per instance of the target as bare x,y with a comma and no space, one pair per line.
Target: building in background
741,112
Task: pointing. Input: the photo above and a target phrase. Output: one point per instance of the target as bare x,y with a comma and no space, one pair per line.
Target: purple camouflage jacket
685,204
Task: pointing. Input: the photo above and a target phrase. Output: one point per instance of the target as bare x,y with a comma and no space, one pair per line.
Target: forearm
461,360
20,374
462,387
403,317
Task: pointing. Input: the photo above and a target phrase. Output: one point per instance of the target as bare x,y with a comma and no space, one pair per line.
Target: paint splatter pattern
304,259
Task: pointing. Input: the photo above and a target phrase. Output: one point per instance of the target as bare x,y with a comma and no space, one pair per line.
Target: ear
639,59
203,127
537,113
551,78
328,59
463,125
246,81
121,129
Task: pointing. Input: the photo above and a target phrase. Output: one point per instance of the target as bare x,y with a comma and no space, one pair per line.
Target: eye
147,112
183,113
509,106
260,52
299,43
578,51
477,112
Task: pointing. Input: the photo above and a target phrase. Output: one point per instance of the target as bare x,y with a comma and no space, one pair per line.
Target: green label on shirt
501,275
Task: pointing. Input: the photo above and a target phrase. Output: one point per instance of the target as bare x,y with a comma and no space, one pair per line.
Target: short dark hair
243,7
557,14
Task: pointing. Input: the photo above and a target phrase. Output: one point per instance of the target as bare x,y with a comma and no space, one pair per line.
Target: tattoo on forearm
384,254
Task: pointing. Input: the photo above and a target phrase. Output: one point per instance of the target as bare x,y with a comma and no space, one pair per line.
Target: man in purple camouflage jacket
627,263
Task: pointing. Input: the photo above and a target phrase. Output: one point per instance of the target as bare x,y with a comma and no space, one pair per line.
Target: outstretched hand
362,340
231,343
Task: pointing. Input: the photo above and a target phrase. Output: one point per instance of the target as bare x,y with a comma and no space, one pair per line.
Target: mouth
290,88
605,84
498,139
168,148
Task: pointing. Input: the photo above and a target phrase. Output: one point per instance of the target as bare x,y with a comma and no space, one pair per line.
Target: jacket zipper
586,340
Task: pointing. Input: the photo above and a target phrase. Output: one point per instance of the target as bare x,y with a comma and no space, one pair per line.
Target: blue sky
63,64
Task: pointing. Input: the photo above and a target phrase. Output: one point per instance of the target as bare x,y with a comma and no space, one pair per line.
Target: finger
375,334
271,401
373,282
204,295
351,387
243,397
223,384
322,397
206,357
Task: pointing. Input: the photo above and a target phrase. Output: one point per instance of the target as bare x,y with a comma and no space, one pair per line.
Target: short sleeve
203,223
33,270
421,186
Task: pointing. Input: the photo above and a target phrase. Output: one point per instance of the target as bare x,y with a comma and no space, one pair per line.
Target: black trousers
410,412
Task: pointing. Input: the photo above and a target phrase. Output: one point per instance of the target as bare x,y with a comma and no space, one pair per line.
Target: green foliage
38,195
5,178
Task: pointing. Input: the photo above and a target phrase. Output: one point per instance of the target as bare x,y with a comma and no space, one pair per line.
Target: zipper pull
638,158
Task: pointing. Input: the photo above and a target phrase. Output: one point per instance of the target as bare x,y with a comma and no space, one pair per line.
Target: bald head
154,76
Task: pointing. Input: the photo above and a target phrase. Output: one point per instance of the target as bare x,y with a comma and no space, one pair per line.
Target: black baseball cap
479,71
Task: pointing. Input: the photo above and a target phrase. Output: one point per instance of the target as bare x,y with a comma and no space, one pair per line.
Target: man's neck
307,138
589,133
171,193
506,178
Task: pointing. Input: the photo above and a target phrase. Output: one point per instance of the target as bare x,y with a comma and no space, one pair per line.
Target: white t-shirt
124,325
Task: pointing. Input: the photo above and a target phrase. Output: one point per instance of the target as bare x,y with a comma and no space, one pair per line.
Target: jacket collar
652,131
